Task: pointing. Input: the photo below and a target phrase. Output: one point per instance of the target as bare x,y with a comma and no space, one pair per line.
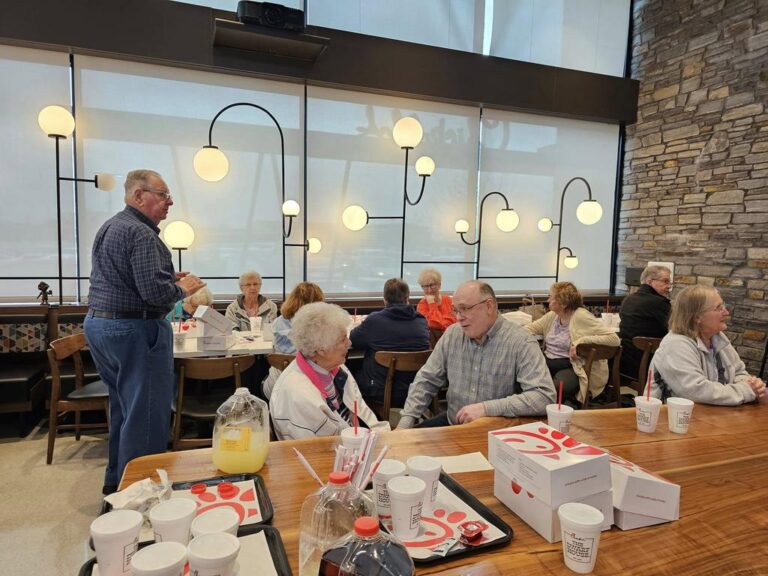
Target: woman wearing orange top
437,308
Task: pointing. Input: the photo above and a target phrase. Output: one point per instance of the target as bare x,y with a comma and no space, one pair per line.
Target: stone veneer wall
695,189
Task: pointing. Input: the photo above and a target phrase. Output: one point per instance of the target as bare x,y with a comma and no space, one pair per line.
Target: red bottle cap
338,477
226,489
366,526
198,488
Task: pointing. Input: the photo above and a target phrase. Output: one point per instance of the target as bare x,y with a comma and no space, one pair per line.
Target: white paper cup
216,520
115,539
255,324
179,338
647,413
679,414
161,559
267,332
387,470
171,520
406,497
559,419
428,469
581,525
353,441
213,554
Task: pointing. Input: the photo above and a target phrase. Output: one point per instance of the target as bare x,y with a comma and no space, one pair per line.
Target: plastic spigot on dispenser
241,433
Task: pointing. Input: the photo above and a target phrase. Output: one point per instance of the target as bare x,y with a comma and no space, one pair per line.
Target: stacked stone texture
695,188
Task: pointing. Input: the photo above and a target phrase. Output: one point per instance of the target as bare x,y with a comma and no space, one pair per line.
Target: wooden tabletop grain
721,465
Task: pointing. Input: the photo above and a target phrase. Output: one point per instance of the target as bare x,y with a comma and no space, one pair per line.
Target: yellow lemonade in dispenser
241,434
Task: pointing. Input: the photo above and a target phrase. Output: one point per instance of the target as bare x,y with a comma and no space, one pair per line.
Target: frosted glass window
32,80
530,159
352,159
145,116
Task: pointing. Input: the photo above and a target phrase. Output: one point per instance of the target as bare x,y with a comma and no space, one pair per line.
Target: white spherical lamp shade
589,212
105,182
178,234
407,133
291,208
545,225
425,166
314,245
56,121
571,262
507,220
211,164
354,217
461,226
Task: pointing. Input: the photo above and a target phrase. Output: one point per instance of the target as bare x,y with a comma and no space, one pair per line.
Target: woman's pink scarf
317,379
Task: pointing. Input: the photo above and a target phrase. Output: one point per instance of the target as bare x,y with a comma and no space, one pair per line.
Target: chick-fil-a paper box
639,491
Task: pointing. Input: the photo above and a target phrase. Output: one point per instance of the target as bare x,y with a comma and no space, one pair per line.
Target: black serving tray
272,535
265,504
483,510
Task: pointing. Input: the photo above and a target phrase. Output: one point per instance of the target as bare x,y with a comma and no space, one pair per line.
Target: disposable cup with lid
559,417
647,413
160,559
171,520
406,497
581,525
213,554
115,538
222,519
352,440
387,470
428,469
679,412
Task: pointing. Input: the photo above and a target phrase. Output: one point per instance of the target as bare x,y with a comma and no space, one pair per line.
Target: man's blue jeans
135,360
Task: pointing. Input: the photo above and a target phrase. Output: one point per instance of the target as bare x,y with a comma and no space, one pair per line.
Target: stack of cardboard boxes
214,330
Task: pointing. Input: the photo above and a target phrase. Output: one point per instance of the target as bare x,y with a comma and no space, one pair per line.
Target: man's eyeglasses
462,310
719,308
164,194
428,286
664,281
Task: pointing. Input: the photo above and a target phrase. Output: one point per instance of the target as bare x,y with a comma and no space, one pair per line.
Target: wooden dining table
721,465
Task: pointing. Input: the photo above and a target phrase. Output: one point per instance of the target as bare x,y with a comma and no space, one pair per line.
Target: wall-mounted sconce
58,123
179,236
212,165
407,134
507,220
588,212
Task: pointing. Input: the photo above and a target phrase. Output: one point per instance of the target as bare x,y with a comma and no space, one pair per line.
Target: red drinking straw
649,384
560,395
355,417
607,305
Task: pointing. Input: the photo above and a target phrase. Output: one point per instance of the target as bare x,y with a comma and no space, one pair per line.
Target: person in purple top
132,287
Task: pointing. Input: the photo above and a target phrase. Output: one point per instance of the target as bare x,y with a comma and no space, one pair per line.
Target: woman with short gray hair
250,303
315,395
185,309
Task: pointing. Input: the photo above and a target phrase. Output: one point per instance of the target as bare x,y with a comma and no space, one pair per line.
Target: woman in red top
437,308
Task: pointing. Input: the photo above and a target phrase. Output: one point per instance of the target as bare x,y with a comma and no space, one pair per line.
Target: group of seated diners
485,364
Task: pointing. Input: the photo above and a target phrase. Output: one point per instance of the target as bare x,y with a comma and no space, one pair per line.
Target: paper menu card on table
255,558
471,462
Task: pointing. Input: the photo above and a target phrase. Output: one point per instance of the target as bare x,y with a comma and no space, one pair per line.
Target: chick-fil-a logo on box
546,442
632,467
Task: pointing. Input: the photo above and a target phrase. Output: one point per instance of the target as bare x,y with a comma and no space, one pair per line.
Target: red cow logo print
548,442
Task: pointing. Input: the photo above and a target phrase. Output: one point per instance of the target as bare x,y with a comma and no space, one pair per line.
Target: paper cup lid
214,548
389,466
423,463
116,522
172,509
682,402
581,515
159,556
216,520
406,486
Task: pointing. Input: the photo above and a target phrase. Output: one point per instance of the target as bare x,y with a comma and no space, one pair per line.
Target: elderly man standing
644,313
133,286
492,367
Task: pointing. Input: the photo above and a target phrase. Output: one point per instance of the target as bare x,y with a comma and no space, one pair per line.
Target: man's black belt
133,315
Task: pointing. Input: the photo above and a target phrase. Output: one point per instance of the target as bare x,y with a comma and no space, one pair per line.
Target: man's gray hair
652,273
317,326
140,178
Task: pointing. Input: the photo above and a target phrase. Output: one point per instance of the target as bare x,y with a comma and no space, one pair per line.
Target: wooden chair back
396,362
93,396
280,361
648,346
594,352
204,369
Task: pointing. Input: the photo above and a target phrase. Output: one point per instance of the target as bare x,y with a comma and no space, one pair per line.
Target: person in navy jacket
398,327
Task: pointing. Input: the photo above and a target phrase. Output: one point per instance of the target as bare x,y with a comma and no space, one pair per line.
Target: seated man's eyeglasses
164,194
462,310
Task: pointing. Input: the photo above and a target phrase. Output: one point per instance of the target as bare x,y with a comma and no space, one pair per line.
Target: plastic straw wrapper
374,466
339,460
308,467
364,457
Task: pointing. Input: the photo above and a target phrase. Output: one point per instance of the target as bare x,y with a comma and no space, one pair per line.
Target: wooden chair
92,396
202,406
280,361
396,362
648,346
593,353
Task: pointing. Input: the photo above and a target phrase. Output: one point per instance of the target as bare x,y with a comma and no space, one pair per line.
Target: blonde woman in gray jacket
696,360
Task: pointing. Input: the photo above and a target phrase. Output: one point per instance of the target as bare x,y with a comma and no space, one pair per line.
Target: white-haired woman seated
315,394
695,360
185,309
250,303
